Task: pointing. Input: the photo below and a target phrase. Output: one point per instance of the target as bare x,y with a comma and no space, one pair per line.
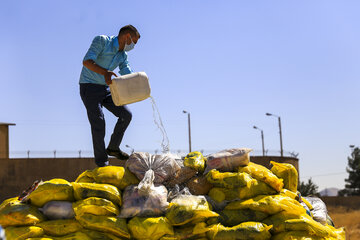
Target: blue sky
227,63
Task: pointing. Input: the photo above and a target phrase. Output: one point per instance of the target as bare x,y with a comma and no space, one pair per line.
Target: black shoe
118,154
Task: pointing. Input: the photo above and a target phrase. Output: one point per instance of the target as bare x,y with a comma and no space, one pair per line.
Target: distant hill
329,192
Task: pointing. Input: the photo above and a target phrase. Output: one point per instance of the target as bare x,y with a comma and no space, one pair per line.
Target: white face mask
129,47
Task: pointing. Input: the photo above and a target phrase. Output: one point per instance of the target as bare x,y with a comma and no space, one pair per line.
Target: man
104,55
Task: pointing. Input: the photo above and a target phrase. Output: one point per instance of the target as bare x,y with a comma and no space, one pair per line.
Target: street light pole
281,144
189,127
262,139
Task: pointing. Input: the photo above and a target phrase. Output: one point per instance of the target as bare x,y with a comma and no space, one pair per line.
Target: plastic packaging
288,173
188,208
60,227
97,235
230,218
182,176
19,214
19,233
113,225
254,189
293,222
196,161
107,191
55,210
118,176
246,230
149,228
151,204
198,185
130,88
71,236
52,190
95,206
261,173
228,160
228,179
271,204
164,166
319,210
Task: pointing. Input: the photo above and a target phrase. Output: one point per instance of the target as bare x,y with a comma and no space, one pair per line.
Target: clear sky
226,62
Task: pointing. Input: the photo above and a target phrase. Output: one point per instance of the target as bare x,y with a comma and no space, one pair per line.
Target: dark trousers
94,97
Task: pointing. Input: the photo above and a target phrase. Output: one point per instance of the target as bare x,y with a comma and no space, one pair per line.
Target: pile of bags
222,196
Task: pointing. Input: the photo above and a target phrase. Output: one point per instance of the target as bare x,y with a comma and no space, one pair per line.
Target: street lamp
189,129
262,139
281,145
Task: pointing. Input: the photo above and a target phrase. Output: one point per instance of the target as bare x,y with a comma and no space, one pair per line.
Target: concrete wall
18,174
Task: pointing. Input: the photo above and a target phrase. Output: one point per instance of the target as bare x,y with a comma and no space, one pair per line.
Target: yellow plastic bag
263,174
228,179
188,232
20,233
254,189
196,161
188,208
296,235
85,177
113,225
10,201
118,176
19,214
150,228
288,173
230,218
271,204
285,221
71,236
246,230
95,206
96,235
52,190
107,191
60,227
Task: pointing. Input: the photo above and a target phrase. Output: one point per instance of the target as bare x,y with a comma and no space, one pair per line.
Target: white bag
55,210
130,88
228,160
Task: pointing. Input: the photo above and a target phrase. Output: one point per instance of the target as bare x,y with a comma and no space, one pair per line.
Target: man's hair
129,29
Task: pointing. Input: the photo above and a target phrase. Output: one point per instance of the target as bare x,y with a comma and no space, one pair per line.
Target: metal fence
89,153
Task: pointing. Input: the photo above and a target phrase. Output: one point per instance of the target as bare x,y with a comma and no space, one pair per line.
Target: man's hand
90,64
108,76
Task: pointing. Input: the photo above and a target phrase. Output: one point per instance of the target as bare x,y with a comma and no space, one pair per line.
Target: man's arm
90,64
95,49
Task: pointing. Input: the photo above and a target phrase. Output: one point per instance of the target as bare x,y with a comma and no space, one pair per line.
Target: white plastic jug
130,88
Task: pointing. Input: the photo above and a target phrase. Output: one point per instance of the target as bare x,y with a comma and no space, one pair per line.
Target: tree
309,188
353,181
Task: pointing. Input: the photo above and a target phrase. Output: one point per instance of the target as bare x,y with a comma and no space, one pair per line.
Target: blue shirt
104,50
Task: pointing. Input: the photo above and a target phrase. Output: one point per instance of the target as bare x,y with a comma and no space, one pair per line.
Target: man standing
104,55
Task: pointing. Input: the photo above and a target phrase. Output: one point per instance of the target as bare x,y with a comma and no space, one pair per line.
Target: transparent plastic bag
188,208
54,210
319,210
151,203
164,166
228,160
